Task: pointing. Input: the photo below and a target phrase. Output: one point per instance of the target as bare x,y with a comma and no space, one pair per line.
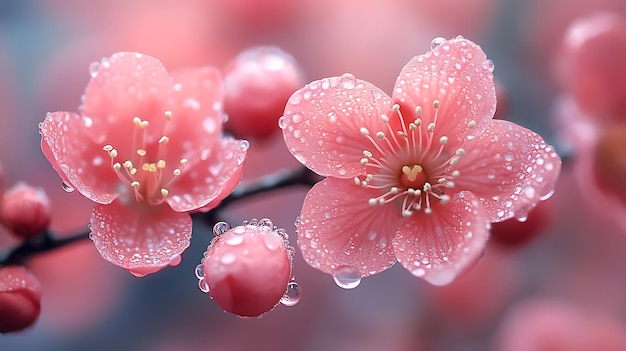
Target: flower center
148,176
412,166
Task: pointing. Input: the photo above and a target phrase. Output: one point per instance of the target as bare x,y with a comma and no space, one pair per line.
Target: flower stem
48,240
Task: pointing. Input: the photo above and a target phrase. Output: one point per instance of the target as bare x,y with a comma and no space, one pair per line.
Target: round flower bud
258,84
25,211
20,299
247,269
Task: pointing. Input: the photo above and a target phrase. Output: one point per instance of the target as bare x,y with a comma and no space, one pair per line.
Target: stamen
183,162
460,152
431,127
161,164
117,166
164,192
443,140
357,181
176,172
372,201
113,153
436,104
385,118
135,184
107,147
164,140
418,110
380,135
364,131
168,115
141,152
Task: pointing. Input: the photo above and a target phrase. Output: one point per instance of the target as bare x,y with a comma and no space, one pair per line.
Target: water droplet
203,285
435,43
292,295
488,65
266,222
347,277
199,271
220,228
234,239
228,258
297,118
348,81
68,188
296,222
282,122
244,145
105,62
94,67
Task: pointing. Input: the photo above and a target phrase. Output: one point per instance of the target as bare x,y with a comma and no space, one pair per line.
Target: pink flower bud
20,296
247,269
25,211
258,84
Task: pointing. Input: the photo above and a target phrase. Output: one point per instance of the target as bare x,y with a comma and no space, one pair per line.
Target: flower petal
458,75
140,240
211,179
337,227
447,242
510,169
322,124
125,86
196,106
79,161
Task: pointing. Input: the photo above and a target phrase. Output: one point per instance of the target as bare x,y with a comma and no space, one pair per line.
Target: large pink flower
417,177
147,147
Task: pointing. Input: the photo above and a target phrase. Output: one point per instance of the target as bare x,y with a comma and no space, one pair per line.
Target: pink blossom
147,148
417,177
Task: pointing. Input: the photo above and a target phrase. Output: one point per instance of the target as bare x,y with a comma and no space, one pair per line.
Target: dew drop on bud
488,65
266,222
436,42
68,188
203,285
220,228
93,69
282,122
347,277
348,81
200,271
292,295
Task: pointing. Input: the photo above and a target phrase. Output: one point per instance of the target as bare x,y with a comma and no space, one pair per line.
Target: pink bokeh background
574,266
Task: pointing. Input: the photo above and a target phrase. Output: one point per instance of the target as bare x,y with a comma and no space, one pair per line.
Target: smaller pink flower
147,148
416,177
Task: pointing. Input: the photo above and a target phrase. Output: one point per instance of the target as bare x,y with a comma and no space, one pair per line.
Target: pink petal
196,106
458,75
510,169
209,180
125,86
338,227
322,124
440,246
78,160
142,240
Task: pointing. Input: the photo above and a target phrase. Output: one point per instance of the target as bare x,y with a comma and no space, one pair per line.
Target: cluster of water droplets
293,291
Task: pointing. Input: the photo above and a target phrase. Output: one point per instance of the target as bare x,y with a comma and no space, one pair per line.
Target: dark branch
282,179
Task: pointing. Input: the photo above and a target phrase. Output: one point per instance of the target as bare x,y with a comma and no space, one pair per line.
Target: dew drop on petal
348,81
203,285
266,222
220,228
66,187
292,295
234,239
521,215
488,65
347,277
199,271
244,145
436,42
94,67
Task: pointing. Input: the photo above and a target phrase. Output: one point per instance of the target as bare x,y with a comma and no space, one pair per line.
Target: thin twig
49,241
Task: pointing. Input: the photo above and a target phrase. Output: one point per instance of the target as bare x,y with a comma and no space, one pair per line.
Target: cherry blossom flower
147,148
247,269
416,177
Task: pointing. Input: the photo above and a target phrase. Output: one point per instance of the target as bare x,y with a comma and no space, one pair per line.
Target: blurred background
561,285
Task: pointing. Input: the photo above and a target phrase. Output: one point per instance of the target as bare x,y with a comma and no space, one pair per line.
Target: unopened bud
25,211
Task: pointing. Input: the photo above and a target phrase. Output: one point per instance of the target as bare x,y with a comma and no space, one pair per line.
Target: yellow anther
168,115
128,164
113,153
436,104
133,171
176,172
137,121
117,166
164,140
160,164
135,184
164,192
141,152
107,148
183,162
144,124
411,172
